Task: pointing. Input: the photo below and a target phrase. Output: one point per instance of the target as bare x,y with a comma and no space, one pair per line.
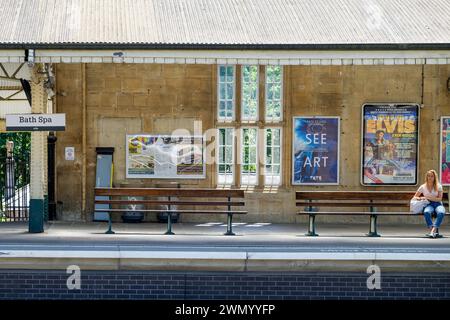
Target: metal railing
14,186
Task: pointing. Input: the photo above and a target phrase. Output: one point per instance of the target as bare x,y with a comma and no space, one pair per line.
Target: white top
426,193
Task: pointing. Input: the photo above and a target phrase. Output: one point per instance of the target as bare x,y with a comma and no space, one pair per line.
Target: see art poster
165,157
390,144
316,151
445,151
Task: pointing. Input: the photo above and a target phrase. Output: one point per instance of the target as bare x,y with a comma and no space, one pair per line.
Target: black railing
14,186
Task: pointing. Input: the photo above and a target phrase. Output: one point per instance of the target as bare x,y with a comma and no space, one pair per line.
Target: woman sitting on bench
432,191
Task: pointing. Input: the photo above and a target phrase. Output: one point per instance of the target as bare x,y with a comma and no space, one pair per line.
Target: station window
249,93
272,156
225,163
226,89
249,156
242,119
274,93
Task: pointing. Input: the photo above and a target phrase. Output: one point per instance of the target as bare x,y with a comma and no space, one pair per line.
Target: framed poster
165,157
389,144
444,161
315,151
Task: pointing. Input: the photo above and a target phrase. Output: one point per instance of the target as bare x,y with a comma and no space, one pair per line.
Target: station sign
36,122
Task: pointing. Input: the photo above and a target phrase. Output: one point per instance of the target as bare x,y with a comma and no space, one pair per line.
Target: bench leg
312,226
229,225
373,227
109,231
169,224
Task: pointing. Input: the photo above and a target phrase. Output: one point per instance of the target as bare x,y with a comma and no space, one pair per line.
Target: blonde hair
435,182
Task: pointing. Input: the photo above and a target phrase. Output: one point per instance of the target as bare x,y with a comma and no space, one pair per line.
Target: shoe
429,235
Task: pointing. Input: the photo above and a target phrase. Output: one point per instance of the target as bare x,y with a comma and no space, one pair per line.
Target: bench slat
174,202
351,204
170,192
358,195
331,213
354,195
174,211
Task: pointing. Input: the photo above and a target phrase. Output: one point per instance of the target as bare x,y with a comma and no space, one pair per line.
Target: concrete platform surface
203,247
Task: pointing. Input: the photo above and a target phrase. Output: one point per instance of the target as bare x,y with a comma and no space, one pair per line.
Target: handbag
416,206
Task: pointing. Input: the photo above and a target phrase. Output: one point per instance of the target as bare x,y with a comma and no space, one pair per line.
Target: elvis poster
390,144
445,151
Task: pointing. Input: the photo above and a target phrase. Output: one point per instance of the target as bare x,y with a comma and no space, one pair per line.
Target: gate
14,186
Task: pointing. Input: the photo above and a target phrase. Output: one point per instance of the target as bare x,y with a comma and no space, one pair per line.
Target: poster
165,157
316,151
389,144
445,151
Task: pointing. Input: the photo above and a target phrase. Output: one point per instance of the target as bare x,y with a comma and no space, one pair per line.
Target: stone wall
153,98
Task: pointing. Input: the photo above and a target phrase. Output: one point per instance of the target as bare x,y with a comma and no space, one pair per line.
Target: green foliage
22,149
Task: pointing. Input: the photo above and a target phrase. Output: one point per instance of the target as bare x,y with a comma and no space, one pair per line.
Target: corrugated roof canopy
277,24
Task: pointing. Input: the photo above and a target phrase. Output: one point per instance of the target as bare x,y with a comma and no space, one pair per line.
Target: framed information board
165,157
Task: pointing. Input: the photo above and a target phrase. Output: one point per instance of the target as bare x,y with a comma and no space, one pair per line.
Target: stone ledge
241,261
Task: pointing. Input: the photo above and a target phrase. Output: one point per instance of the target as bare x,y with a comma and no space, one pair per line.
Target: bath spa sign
36,122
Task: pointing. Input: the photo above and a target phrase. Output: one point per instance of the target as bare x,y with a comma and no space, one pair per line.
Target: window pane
222,136
221,154
226,93
225,156
274,85
222,89
222,73
228,155
276,137
276,155
230,71
249,157
272,156
249,92
230,91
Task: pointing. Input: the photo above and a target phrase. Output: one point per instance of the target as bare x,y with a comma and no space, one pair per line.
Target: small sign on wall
70,153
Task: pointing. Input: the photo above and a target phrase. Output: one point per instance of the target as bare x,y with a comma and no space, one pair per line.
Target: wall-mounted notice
69,153
165,157
445,151
389,144
316,151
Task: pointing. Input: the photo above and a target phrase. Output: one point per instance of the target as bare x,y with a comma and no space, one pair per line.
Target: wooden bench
200,201
369,200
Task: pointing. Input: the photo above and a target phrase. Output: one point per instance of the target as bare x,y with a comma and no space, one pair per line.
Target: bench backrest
359,199
359,195
208,197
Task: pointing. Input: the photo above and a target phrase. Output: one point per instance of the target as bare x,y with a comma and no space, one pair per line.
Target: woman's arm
417,195
436,199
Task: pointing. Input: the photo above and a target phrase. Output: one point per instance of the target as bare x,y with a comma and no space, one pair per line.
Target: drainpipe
51,143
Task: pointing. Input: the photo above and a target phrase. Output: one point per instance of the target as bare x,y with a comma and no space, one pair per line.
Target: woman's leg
427,215
440,213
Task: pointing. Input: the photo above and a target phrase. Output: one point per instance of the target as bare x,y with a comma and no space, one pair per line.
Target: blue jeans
434,207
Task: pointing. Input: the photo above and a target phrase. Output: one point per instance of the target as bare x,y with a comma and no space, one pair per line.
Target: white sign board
36,122
70,153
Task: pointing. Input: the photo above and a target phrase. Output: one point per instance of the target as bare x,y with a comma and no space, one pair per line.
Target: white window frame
242,174
281,156
243,118
218,163
272,120
233,116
